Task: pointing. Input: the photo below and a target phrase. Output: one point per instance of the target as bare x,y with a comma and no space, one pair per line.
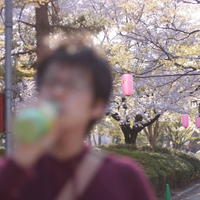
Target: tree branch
80,28
20,53
115,116
32,25
151,121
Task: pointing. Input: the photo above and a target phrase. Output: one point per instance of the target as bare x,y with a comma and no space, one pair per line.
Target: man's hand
27,154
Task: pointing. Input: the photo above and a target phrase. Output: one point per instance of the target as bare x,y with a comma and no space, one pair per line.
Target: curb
185,192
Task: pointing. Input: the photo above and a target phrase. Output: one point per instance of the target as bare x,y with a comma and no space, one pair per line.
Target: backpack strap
84,174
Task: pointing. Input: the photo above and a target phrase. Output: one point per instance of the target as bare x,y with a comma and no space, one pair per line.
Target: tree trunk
94,140
133,138
130,134
152,141
152,133
89,140
177,146
99,139
42,30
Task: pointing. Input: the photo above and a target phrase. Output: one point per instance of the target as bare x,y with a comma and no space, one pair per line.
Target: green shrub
162,165
155,170
191,159
162,150
182,171
2,151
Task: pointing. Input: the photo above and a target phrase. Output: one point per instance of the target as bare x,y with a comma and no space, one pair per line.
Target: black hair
87,59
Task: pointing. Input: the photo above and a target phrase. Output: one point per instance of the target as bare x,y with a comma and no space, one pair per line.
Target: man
80,81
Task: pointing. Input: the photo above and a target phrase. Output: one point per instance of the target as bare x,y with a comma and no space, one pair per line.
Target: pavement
192,193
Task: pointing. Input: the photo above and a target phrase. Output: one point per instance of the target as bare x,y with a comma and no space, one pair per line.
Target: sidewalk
192,193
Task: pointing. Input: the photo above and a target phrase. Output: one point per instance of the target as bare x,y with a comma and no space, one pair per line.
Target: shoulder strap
83,175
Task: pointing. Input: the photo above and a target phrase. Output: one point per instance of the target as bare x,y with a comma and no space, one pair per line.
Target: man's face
72,88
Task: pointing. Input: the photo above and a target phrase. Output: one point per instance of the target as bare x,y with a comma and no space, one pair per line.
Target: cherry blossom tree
156,41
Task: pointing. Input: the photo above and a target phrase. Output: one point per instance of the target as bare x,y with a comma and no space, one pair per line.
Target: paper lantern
198,122
127,84
185,120
2,114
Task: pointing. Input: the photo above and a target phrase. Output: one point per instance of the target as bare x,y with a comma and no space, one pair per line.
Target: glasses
68,85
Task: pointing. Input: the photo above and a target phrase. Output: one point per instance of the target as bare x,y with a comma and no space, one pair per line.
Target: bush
162,165
192,160
155,170
2,151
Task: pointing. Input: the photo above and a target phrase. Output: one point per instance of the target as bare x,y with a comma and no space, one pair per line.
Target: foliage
107,127
161,165
153,42
142,139
174,131
156,41
2,151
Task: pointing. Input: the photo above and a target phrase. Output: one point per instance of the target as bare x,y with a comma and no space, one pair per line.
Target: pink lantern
185,120
127,84
198,122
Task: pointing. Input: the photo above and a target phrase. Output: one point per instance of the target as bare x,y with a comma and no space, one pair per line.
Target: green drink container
33,123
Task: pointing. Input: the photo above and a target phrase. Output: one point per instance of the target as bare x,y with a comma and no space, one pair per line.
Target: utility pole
199,109
8,75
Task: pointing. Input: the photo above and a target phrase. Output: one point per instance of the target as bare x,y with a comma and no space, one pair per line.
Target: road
194,195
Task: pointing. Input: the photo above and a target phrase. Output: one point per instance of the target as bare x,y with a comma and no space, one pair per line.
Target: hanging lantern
198,122
127,84
185,120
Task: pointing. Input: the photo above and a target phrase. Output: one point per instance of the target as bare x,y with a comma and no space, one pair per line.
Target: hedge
162,165
2,151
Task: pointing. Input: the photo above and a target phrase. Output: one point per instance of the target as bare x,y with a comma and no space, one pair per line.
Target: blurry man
60,166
